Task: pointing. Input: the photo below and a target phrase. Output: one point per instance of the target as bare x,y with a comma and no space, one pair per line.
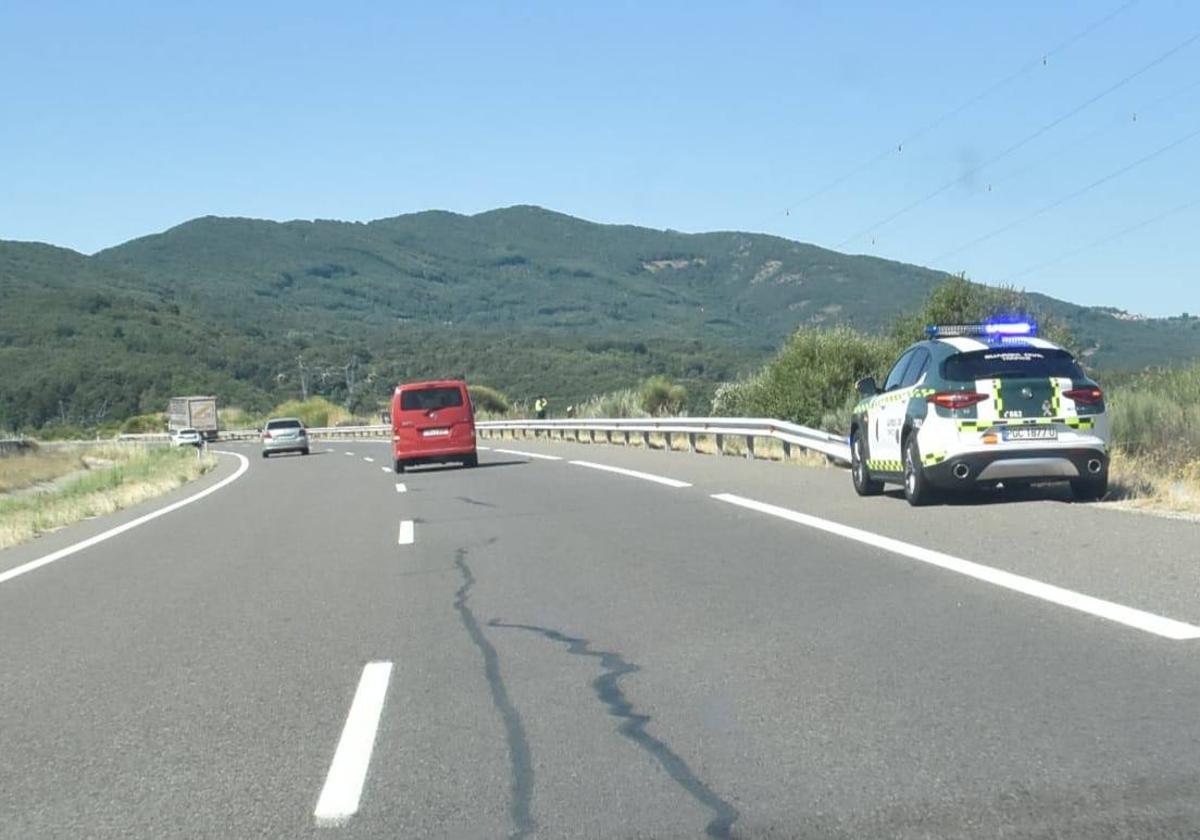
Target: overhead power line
1039,61
1026,140
1105,240
1162,150
1127,118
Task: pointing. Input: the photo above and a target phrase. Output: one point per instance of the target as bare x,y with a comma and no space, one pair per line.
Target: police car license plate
1031,433
435,432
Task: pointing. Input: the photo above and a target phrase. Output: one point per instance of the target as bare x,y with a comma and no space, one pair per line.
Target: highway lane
576,654
1141,560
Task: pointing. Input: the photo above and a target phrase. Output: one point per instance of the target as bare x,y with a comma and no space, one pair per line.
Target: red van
433,422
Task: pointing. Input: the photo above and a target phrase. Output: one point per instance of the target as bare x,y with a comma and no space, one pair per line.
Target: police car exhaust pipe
1094,466
961,471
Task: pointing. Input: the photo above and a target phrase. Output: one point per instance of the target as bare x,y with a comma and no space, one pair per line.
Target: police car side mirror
867,387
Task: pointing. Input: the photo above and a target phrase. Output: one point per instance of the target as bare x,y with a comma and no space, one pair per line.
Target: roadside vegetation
53,488
33,466
1156,439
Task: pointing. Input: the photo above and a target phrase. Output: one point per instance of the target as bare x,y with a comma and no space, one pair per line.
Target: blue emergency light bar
991,329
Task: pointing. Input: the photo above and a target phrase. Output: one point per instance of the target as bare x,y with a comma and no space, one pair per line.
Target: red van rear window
430,399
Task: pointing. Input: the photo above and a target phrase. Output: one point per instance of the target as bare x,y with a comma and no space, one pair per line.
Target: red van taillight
1087,396
954,400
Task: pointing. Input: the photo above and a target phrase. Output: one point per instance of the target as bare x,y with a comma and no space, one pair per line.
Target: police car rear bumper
1042,464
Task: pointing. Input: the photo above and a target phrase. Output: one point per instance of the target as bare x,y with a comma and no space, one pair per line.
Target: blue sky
122,119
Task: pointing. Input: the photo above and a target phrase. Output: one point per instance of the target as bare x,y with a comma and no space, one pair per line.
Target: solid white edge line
528,454
484,448
407,532
133,523
342,792
658,479
1168,628
401,488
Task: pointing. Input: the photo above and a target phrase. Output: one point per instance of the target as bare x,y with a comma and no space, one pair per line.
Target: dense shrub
660,397
626,403
313,412
811,380
1158,414
144,424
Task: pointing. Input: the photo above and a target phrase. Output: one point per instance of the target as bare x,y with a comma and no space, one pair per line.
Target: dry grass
1148,483
118,476
36,466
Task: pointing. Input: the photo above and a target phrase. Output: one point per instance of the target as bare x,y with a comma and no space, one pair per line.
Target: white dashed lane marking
407,532
343,786
528,454
657,479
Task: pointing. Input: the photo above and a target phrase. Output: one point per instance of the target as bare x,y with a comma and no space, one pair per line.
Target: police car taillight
956,399
1087,396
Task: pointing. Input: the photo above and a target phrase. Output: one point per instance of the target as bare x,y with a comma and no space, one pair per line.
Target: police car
980,405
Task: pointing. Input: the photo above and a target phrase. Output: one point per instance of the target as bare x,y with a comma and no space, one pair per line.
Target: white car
980,404
186,437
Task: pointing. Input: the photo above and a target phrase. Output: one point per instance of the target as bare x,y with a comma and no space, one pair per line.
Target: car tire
397,466
304,451
864,485
471,460
917,489
1090,489
265,454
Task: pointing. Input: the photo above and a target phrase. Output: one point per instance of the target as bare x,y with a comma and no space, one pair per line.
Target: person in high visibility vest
539,407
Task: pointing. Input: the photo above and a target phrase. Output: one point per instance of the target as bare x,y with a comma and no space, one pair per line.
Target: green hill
523,299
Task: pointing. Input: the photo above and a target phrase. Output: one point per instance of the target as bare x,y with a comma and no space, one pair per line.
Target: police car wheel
916,487
864,485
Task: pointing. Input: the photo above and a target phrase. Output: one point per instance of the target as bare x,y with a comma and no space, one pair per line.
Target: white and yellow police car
980,404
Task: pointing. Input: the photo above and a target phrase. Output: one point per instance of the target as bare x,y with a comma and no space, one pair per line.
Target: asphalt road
575,652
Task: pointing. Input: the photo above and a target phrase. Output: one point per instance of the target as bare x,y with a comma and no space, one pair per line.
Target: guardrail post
692,442
750,447
608,436
646,439
627,438
667,438
787,450
720,440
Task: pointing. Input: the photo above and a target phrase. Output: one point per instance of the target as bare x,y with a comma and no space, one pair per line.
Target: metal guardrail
253,434
719,428
832,446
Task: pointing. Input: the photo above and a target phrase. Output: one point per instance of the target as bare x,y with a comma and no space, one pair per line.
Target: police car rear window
1011,363
429,399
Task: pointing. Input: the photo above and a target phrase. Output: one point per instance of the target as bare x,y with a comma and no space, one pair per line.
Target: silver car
186,437
284,434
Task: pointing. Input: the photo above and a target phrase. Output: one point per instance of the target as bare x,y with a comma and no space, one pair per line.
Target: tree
959,301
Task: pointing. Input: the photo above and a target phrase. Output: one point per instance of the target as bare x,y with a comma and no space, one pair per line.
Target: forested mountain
522,298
